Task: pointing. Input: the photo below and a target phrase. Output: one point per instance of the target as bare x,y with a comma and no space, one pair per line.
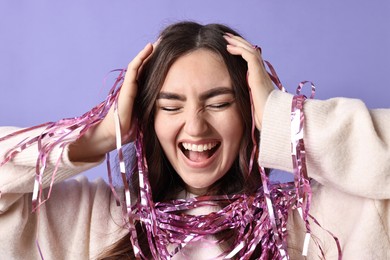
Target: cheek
233,127
237,128
165,131
159,128
234,135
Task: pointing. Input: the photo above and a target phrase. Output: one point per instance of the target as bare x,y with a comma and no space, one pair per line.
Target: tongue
197,156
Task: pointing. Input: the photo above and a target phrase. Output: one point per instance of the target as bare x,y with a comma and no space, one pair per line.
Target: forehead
198,70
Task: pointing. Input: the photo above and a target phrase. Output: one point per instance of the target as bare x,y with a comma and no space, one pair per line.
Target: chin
199,188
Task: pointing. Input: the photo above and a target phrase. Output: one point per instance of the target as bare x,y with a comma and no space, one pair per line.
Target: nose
196,124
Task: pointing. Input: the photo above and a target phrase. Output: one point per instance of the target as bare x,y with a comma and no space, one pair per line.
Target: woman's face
197,120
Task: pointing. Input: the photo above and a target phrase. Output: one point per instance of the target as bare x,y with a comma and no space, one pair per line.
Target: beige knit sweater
348,156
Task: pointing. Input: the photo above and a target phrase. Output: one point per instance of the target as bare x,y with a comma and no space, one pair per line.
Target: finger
258,79
238,38
136,63
129,89
156,42
251,56
238,41
154,45
257,74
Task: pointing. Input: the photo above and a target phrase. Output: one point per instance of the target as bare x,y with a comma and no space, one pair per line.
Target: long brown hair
175,41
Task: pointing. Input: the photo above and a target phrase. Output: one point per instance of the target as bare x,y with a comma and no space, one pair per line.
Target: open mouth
199,153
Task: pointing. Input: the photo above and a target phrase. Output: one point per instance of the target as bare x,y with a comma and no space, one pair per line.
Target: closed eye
218,106
170,109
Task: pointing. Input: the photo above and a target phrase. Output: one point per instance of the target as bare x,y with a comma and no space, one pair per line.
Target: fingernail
227,38
158,40
257,48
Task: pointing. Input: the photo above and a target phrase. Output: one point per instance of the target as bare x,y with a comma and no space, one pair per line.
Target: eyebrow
171,96
216,92
204,96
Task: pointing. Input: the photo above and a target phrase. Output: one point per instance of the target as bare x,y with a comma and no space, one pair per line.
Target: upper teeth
199,147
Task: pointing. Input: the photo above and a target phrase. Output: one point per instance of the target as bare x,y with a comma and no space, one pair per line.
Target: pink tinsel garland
259,219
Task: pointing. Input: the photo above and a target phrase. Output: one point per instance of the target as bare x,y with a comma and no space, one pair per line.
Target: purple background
55,54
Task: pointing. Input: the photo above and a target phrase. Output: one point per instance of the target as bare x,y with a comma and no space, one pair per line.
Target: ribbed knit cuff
275,137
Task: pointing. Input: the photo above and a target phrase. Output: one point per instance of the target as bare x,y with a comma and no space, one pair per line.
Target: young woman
186,101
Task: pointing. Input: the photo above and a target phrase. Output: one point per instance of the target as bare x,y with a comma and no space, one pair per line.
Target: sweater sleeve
18,175
347,145
78,221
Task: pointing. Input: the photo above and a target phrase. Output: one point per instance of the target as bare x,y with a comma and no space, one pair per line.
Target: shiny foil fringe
259,219
58,134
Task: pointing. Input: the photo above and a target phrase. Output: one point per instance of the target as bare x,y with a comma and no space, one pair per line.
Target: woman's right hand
100,139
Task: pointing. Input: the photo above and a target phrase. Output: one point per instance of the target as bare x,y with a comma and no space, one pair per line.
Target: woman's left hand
259,82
